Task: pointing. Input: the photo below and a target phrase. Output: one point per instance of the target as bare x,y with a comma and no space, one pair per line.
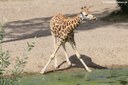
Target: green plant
21,62
4,55
1,32
4,59
5,62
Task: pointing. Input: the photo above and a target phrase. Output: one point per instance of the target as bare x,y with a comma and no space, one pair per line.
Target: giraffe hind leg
66,55
78,56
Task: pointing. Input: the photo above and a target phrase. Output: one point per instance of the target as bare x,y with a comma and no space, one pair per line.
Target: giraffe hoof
56,67
69,65
42,72
89,70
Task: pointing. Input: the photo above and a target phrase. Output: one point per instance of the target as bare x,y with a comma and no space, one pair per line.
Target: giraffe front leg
66,55
56,65
55,43
51,57
78,56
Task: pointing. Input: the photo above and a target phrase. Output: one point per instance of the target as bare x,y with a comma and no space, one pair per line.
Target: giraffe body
63,27
62,30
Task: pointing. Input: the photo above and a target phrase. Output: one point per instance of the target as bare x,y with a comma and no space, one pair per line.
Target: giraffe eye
86,15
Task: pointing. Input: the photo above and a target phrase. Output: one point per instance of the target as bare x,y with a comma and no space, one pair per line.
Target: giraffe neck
76,21
81,16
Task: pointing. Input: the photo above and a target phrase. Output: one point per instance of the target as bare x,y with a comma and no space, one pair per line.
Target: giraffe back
63,27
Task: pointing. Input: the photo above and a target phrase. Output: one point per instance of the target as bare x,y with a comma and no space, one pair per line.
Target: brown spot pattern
63,27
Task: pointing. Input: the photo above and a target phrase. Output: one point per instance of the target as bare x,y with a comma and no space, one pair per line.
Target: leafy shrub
5,62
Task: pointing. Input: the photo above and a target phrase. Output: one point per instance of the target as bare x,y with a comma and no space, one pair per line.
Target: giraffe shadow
77,64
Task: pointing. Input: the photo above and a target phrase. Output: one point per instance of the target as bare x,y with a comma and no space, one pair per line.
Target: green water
96,77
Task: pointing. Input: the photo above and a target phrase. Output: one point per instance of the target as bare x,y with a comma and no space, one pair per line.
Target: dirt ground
100,43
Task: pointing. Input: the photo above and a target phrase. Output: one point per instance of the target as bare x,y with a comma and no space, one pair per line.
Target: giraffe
62,30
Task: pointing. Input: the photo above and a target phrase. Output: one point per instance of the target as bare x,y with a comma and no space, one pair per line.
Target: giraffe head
85,14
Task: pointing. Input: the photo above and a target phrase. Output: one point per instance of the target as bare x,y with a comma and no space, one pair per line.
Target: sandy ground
101,44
